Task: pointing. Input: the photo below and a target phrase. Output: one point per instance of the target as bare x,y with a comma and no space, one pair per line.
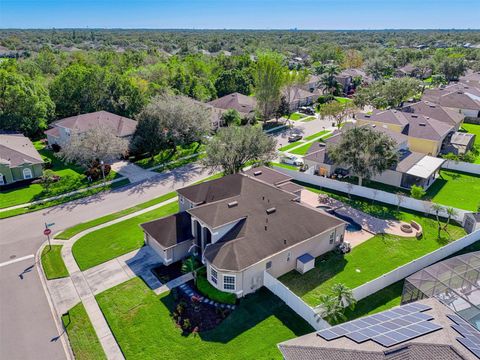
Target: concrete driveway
133,172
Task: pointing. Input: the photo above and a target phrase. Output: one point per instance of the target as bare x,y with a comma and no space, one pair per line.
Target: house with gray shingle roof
242,225
62,129
19,160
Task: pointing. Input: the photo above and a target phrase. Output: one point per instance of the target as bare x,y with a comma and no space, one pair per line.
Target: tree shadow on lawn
327,266
252,310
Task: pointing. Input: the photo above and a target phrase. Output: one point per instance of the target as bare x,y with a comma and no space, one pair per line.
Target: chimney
271,210
256,173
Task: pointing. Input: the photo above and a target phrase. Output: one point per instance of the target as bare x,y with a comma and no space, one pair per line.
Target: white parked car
292,160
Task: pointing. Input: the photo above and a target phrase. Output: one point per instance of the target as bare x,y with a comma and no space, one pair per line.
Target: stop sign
47,232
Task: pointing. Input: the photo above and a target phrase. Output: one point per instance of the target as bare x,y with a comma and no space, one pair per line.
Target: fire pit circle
406,228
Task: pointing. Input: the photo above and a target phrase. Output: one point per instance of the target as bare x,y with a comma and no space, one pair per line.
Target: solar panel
470,336
387,328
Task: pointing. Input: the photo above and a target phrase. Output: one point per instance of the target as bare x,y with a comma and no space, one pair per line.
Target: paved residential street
27,330
27,326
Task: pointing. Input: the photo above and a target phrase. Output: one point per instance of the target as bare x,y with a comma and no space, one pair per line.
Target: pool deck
370,224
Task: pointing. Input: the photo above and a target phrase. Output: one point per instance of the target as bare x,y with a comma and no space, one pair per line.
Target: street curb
56,318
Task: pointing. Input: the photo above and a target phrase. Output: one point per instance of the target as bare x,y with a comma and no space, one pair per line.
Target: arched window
27,173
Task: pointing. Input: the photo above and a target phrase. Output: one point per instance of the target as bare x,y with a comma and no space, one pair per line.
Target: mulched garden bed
195,314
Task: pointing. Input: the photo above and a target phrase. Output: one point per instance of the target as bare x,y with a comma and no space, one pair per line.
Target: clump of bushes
207,290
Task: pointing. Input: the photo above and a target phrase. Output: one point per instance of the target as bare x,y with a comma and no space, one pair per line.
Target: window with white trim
181,200
228,282
332,237
27,173
213,275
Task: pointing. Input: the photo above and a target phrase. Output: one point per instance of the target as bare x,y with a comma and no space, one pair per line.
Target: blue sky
241,14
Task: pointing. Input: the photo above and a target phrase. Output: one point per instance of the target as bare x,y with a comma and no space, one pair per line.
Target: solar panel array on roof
470,336
387,328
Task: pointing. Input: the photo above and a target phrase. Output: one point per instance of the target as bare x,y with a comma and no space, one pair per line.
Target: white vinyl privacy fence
462,166
412,267
374,194
294,302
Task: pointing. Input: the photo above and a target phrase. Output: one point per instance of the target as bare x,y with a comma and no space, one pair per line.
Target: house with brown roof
425,134
460,97
62,129
446,115
412,168
413,71
244,104
298,97
242,225
19,160
423,330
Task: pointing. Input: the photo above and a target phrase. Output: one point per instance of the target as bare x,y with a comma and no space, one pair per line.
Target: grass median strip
52,262
82,336
115,240
141,323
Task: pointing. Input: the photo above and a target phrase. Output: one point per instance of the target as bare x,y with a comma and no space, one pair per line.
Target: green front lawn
285,166
141,324
308,119
81,335
343,100
71,179
115,240
74,230
52,262
167,156
302,150
291,145
316,135
456,189
297,116
371,259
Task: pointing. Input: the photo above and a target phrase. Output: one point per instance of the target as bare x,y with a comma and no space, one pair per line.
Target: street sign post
47,233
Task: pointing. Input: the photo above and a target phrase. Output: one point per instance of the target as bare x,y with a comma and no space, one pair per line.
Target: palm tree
437,208
451,212
329,80
190,265
344,295
331,309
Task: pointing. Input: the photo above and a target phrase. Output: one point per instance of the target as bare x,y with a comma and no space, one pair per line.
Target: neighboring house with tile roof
241,226
61,130
413,71
425,134
19,160
412,168
434,334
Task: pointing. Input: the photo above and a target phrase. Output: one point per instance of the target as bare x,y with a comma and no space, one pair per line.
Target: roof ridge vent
422,124
414,116
271,210
258,172
232,204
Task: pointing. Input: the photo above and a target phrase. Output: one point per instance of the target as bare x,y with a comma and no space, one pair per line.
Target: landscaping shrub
95,171
206,289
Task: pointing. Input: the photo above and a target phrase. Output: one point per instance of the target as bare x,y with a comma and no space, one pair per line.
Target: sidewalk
83,286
